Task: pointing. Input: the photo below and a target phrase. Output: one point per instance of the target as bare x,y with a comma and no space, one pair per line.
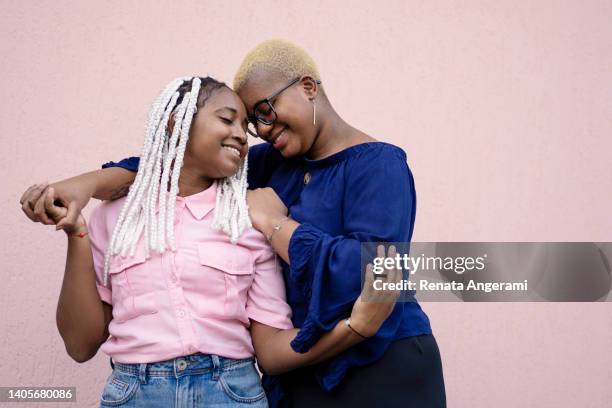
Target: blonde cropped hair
278,56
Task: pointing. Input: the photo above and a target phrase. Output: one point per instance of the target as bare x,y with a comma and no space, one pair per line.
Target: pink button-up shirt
197,299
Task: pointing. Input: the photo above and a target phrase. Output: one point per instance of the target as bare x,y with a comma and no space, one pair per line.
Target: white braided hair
149,207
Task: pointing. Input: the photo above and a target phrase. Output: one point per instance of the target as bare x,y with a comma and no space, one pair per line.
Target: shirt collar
200,204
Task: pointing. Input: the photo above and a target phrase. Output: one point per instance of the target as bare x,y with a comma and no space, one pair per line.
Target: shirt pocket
132,288
230,268
133,306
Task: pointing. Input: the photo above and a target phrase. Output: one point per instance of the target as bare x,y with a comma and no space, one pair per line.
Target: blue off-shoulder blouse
364,193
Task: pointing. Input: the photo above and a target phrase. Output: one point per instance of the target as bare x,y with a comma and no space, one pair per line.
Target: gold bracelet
277,227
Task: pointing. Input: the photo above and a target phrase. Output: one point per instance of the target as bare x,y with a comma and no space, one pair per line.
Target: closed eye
264,109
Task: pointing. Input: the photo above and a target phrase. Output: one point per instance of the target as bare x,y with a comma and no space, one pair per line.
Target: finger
396,275
25,207
60,219
51,209
380,251
35,194
39,210
368,292
71,216
48,197
380,254
29,199
25,194
368,279
391,253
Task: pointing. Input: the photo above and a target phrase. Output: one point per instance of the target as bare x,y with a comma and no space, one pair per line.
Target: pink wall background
504,109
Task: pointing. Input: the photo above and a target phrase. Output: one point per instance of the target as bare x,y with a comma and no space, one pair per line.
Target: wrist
354,331
273,224
78,231
363,327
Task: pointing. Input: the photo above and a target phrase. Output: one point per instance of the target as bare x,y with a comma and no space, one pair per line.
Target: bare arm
282,236
273,346
269,215
74,193
112,183
275,355
82,317
104,184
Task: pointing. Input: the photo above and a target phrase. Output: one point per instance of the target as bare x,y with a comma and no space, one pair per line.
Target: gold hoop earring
314,113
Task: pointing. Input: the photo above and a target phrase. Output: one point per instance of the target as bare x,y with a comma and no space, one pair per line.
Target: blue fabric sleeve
379,206
129,163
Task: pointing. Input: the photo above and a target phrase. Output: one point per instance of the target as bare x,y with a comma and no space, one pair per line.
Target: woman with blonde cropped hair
319,188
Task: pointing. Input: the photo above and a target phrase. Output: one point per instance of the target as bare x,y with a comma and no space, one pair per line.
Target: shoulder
379,167
256,243
378,158
381,150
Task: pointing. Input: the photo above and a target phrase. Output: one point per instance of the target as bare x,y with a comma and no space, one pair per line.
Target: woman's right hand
72,194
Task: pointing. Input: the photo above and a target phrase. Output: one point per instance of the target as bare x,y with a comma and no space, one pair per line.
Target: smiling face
293,133
217,138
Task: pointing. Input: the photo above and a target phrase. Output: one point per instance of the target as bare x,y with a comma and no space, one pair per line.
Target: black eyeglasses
263,110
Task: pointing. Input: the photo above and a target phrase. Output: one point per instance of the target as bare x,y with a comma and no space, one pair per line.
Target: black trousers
409,375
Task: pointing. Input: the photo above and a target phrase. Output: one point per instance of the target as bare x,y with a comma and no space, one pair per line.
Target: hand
373,306
28,202
57,213
72,194
265,209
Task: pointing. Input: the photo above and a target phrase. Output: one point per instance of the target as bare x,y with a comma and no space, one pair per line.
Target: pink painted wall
503,107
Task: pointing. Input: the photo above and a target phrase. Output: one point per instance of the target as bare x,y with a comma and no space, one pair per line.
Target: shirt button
181,313
192,349
307,178
173,277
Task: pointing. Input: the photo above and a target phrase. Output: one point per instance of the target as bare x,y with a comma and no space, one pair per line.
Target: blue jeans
197,380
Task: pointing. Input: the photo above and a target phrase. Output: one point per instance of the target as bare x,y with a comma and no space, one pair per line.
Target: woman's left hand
265,208
374,306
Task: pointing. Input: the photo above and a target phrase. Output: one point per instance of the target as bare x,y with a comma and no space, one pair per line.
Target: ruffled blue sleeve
379,206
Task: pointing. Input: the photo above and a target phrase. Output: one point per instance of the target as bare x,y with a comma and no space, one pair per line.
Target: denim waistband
194,364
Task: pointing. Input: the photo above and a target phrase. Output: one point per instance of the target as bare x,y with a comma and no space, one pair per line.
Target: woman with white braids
173,282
